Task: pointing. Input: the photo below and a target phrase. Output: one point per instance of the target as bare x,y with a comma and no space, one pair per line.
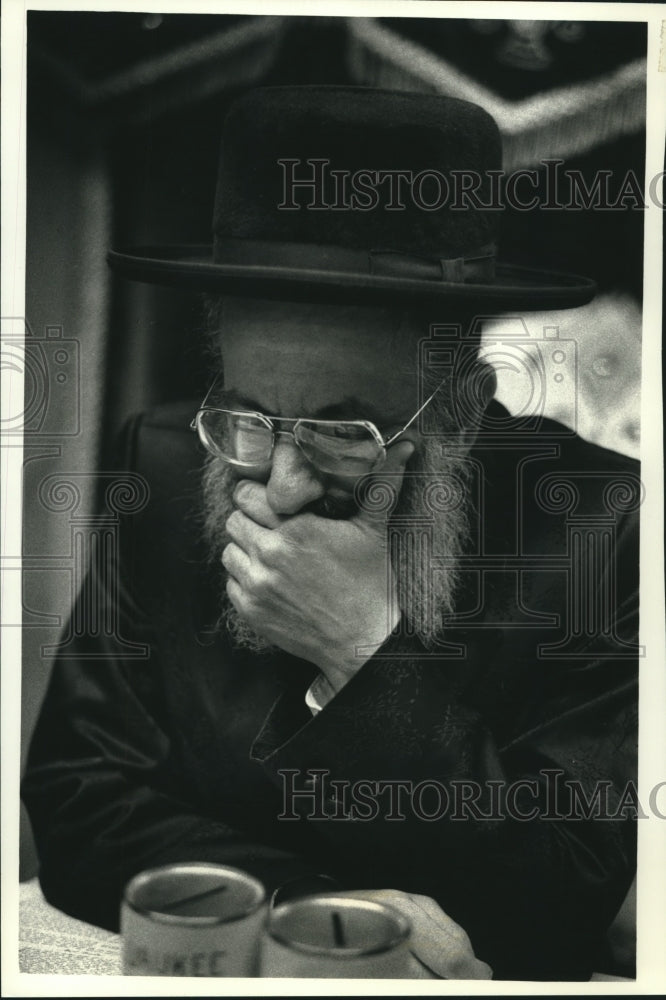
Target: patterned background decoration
526,74
598,393
568,90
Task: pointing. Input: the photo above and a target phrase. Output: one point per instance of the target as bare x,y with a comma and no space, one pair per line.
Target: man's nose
293,483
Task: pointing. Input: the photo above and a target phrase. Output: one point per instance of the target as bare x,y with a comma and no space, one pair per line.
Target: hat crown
357,195
357,168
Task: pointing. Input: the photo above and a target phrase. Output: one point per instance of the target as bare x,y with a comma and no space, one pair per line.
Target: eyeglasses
337,447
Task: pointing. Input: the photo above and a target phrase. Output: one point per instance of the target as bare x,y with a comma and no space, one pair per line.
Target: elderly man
370,650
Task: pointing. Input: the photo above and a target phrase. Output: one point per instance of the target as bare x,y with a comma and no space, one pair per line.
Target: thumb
377,493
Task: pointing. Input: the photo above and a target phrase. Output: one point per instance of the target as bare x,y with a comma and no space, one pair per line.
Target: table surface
53,943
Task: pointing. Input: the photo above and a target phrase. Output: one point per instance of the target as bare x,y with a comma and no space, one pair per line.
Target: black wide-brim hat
356,195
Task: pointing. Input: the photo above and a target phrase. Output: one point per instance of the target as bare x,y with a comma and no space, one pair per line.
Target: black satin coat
172,749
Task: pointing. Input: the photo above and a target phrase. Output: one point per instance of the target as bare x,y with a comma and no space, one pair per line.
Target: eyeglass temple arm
193,422
418,413
389,441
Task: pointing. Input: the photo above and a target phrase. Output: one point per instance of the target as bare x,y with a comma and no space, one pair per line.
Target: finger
437,941
237,564
235,594
251,498
440,943
391,476
417,970
398,900
480,970
245,532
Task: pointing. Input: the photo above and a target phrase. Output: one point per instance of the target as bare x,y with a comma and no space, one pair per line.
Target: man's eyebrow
353,408
232,398
349,408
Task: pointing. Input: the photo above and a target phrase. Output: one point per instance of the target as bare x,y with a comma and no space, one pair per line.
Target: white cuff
318,694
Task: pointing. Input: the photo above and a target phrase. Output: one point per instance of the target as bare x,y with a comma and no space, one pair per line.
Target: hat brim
193,267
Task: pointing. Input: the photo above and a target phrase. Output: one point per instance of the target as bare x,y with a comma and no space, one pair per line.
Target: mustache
336,508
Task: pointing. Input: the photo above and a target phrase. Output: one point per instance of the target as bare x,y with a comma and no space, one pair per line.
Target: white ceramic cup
192,919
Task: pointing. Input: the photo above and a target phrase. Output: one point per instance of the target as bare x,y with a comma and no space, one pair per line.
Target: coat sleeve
105,800
524,834
106,787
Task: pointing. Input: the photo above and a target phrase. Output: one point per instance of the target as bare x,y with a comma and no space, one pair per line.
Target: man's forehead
386,328
311,358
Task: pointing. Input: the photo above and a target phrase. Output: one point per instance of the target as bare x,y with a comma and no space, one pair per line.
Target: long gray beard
428,521
219,481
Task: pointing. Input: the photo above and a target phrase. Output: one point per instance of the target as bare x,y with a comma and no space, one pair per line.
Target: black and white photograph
332,541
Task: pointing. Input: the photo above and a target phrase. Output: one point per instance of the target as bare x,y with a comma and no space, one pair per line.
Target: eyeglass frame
368,425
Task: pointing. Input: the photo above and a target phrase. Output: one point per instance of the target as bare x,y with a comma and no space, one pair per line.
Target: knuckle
305,523
242,490
460,936
245,492
268,547
289,531
241,600
296,528
419,898
396,896
233,521
261,583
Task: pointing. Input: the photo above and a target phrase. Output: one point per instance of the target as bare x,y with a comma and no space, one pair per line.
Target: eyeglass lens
340,448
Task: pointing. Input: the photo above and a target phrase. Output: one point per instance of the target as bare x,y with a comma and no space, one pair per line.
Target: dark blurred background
124,120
